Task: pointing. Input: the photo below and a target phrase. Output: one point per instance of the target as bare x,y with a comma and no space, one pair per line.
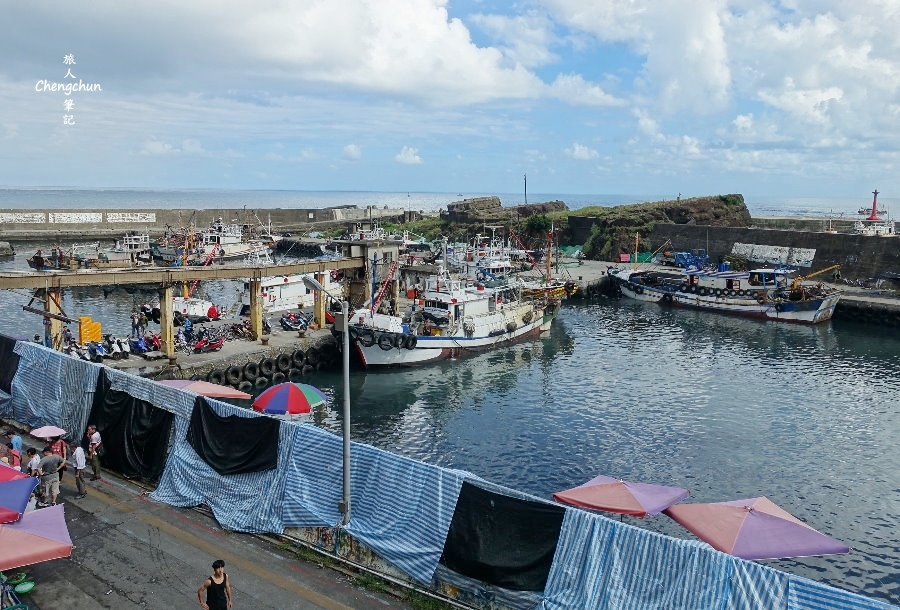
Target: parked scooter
96,351
124,346
138,346
207,344
112,347
294,321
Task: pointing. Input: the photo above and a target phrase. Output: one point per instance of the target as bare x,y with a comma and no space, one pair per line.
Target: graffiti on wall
131,217
775,255
22,218
75,217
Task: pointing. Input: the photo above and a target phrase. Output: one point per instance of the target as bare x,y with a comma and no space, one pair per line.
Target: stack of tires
286,366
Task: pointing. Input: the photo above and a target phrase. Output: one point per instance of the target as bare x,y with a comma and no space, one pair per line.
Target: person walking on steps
95,446
217,587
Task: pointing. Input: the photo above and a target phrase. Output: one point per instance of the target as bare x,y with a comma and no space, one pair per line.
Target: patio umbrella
755,528
205,388
622,497
40,535
289,399
15,490
47,432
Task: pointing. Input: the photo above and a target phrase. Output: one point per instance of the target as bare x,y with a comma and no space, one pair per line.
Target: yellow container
88,330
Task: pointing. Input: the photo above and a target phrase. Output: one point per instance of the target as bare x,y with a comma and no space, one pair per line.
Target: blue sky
794,98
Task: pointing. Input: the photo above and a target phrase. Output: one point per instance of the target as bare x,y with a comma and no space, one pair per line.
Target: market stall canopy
754,528
622,497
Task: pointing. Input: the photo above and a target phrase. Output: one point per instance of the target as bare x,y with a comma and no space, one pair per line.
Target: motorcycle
96,351
294,321
205,343
124,346
138,346
112,347
153,342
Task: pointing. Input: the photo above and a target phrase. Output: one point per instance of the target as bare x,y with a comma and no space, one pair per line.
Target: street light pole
344,505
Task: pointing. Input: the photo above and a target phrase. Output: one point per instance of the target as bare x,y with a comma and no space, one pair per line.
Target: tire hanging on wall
215,376
251,371
298,358
266,367
283,363
234,375
278,377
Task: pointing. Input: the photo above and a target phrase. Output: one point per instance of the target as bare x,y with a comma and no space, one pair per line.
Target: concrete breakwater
18,225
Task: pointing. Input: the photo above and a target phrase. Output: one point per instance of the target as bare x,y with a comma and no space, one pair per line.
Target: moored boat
133,250
287,292
772,294
455,318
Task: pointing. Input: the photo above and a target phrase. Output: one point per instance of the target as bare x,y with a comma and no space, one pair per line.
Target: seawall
18,225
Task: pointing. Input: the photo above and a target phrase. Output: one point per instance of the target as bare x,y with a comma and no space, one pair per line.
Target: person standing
59,447
142,324
15,439
95,444
217,587
49,470
33,463
15,458
135,324
79,462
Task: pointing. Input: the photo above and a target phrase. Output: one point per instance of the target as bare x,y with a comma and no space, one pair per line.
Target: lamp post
344,505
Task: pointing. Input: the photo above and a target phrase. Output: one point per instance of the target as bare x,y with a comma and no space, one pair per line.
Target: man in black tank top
218,591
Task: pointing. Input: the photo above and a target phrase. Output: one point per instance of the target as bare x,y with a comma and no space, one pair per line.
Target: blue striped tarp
50,388
400,507
805,594
249,502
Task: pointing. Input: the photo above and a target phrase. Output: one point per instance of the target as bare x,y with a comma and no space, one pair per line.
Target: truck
696,258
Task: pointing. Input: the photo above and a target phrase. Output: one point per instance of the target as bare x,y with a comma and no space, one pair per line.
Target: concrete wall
23,224
859,256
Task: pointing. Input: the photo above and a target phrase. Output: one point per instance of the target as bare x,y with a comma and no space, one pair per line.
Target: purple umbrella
755,528
40,535
623,497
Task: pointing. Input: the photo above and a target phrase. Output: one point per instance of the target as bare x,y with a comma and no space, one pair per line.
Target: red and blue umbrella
15,491
289,399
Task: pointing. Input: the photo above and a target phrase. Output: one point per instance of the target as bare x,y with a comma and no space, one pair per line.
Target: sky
795,98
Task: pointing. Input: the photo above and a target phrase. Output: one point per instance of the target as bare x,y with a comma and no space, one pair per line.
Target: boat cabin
738,280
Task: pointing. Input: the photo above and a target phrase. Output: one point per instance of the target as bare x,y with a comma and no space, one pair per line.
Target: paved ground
131,553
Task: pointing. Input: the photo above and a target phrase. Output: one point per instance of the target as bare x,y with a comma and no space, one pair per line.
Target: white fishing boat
197,310
455,318
227,242
874,225
282,293
133,250
772,294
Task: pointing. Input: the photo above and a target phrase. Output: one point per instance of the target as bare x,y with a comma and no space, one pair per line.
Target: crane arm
798,280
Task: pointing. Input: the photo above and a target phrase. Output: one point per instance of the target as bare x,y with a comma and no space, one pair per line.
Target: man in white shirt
94,444
80,463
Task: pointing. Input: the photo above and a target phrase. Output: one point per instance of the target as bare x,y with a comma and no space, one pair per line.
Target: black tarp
135,433
501,540
233,444
9,362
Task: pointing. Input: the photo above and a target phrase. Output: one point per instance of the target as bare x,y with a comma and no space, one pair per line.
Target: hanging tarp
135,432
9,362
504,541
233,444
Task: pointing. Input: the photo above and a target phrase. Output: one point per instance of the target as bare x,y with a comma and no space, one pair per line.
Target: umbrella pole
345,502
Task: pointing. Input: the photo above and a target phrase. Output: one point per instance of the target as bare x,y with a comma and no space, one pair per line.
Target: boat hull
431,348
754,304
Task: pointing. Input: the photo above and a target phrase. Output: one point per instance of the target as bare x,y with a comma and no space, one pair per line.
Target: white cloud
525,39
409,156
573,89
352,152
157,148
581,152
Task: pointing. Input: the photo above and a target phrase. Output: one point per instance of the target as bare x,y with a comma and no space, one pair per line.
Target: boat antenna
874,214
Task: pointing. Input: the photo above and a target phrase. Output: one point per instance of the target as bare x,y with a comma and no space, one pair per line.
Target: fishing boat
133,250
287,292
453,318
772,294
874,225
220,242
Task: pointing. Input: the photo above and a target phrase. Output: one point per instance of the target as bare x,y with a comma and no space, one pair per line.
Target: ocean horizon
64,197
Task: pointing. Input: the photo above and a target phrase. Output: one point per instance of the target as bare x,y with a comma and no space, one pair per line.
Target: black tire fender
215,376
266,367
260,383
366,338
251,371
245,386
298,358
411,341
386,341
278,377
354,333
312,355
284,362
234,375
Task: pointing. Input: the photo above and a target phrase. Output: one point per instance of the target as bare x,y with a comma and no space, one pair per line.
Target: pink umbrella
755,528
39,535
205,388
622,497
47,432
